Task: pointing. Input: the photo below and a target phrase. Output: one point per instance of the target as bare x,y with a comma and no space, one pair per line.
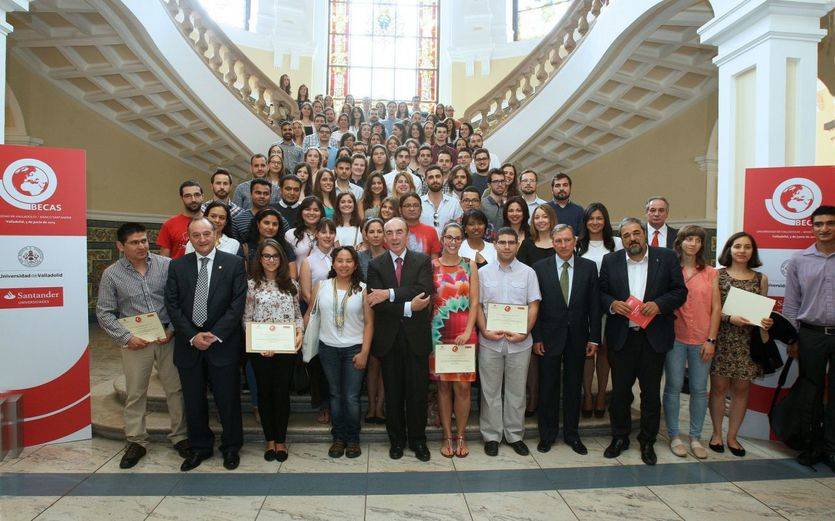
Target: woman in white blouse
474,246
272,296
218,213
302,238
595,241
346,325
348,221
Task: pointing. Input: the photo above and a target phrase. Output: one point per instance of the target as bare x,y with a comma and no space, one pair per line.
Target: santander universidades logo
28,183
794,200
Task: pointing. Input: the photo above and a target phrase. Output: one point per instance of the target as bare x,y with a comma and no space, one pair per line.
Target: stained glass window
230,12
385,49
535,18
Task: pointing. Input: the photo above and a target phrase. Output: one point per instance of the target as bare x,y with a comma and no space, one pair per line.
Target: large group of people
381,232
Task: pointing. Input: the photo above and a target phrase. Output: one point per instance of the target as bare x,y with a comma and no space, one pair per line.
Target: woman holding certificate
273,299
453,324
733,369
346,325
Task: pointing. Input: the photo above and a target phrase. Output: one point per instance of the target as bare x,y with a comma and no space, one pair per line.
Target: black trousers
816,350
566,369
273,375
226,388
406,382
636,359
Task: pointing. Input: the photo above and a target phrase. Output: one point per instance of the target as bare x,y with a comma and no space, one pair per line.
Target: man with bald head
205,295
400,292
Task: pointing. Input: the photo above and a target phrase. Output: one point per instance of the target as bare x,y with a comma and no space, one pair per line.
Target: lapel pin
220,267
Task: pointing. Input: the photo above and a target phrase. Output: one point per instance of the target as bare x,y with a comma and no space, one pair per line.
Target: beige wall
468,89
660,162
264,60
124,173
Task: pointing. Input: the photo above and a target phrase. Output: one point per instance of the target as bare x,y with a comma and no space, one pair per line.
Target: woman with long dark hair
303,95
218,214
284,84
302,238
267,225
305,175
373,195
325,189
379,159
357,118
515,215
359,169
416,132
348,220
306,117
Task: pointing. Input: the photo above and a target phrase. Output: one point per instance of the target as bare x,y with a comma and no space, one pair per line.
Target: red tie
398,269
654,239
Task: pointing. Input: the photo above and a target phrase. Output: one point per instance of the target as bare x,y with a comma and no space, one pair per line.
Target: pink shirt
692,323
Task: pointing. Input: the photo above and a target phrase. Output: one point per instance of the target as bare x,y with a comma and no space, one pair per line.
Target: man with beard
567,212
293,153
441,138
401,164
653,276
221,187
492,204
438,208
476,142
445,162
342,173
173,235
481,169
260,194
528,181
288,203
424,159
258,169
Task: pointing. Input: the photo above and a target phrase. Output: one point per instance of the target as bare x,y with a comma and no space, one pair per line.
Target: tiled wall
102,252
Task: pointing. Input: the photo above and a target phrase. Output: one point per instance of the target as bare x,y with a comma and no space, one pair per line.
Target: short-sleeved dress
733,343
450,310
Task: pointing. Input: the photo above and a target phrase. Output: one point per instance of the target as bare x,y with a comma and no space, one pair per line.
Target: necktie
654,239
201,294
398,269
564,281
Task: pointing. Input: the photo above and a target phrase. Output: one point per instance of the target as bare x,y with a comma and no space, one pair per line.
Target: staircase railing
536,70
231,66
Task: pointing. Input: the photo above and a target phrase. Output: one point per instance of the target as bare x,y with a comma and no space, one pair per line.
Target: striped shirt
124,292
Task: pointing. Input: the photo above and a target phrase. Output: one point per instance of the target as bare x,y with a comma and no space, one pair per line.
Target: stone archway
15,131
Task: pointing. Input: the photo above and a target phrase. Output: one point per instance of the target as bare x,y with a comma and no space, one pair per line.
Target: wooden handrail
230,65
536,70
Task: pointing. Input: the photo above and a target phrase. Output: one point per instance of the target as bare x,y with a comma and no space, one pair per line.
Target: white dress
488,252
348,235
597,250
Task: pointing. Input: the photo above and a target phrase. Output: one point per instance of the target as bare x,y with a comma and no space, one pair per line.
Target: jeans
344,382
698,372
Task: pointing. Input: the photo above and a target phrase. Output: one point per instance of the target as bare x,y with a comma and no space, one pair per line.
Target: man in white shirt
528,181
438,208
342,171
401,164
658,233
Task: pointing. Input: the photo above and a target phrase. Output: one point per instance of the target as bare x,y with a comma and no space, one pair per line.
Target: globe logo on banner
27,183
794,200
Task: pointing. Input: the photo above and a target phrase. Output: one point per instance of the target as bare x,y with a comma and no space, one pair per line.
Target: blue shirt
572,215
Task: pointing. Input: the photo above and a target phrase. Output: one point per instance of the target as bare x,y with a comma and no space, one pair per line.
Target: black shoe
578,447
269,455
281,455
182,447
599,413
421,452
809,458
648,454
194,459
617,446
132,455
395,452
829,461
231,460
717,447
586,413
520,448
491,448
739,452
529,414
337,449
543,446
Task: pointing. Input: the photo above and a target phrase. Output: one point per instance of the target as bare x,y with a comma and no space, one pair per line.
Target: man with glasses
422,237
314,140
293,153
471,200
528,181
491,204
323,143
503,356
481,169
438,208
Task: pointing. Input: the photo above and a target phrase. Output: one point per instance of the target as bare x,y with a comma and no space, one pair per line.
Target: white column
767,63
5,28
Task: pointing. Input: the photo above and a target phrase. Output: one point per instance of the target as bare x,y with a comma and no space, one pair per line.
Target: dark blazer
665,286
388,316
227,295
671,236
559,325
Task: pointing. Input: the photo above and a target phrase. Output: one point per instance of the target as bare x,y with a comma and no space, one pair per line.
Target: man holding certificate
644,282
205,295
131,309
567,330
509,297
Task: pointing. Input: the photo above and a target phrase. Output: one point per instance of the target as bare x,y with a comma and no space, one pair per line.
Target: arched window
535,18
235,13
385,49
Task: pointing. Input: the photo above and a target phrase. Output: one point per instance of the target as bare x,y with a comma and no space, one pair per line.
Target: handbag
310,343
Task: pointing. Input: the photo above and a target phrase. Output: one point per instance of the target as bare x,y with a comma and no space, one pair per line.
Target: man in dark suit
658,233
653,276
399,290
567,330
205,295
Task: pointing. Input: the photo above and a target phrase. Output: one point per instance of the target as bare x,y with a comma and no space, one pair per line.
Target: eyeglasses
411,205
498,182
452,239
270,256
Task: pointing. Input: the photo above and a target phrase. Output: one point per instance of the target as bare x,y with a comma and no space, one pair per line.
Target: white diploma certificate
146,326
452,358
270,336
751,306
507,317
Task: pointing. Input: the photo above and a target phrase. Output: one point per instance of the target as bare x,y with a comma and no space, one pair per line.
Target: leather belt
826,330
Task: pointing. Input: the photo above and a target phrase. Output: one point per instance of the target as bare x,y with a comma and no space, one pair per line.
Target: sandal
461,450
446,450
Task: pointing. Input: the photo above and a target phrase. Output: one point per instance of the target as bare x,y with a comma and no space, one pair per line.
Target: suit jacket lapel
217,275
623,273
191,272
388,267
575,282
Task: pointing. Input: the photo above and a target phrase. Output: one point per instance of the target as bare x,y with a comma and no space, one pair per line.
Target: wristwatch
711,341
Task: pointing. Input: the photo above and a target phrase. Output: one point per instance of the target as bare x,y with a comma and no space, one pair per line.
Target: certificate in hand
452,358
146,326
507,317
270,336
750,306
636,316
